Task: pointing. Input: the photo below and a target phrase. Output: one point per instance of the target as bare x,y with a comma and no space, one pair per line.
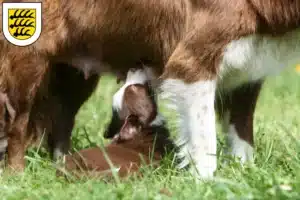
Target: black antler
14,15
21,32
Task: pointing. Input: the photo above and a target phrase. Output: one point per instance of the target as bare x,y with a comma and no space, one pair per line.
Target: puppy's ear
130,128
137,99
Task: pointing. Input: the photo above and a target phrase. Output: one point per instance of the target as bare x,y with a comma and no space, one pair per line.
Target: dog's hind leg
71,90
237,113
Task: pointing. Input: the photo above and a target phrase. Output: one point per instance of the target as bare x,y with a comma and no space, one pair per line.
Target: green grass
275,175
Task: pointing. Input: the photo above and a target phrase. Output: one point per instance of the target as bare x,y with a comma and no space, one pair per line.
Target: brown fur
186,36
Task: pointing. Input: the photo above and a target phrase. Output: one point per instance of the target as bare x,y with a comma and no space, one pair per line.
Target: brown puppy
122,102
136,143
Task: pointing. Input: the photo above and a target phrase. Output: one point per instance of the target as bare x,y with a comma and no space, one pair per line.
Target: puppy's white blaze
195,104
239,147
133,77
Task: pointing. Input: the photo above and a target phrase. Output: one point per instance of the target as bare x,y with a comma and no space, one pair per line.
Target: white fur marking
133,77
195,105
254,57
239,147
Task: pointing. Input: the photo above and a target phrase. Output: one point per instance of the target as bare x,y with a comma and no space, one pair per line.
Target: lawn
275,175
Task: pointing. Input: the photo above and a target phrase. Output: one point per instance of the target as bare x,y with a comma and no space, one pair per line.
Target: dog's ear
130,128
139,103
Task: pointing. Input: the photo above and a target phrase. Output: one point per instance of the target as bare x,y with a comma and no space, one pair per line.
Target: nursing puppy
198,48
121,104
136,143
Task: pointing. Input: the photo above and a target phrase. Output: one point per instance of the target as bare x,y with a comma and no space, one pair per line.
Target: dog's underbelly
252,58
248,59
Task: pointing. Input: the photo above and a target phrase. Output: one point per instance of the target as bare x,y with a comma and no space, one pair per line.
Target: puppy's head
7,116
137,107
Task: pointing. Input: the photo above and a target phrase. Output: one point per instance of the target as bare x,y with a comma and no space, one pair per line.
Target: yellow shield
22,22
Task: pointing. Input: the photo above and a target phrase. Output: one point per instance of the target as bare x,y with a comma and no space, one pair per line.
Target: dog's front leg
189,82
236,111
28,73
17,143
193,93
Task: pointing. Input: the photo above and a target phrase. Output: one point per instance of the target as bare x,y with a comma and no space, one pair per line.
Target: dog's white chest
254,57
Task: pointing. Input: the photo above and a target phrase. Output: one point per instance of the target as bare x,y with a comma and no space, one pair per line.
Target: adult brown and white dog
196,47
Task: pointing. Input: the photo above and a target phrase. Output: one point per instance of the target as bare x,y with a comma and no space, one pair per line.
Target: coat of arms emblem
22,22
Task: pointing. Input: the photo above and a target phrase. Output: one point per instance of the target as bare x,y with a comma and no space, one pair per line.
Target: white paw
205,167
238,147
244,153
202,173
57,154
202,164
